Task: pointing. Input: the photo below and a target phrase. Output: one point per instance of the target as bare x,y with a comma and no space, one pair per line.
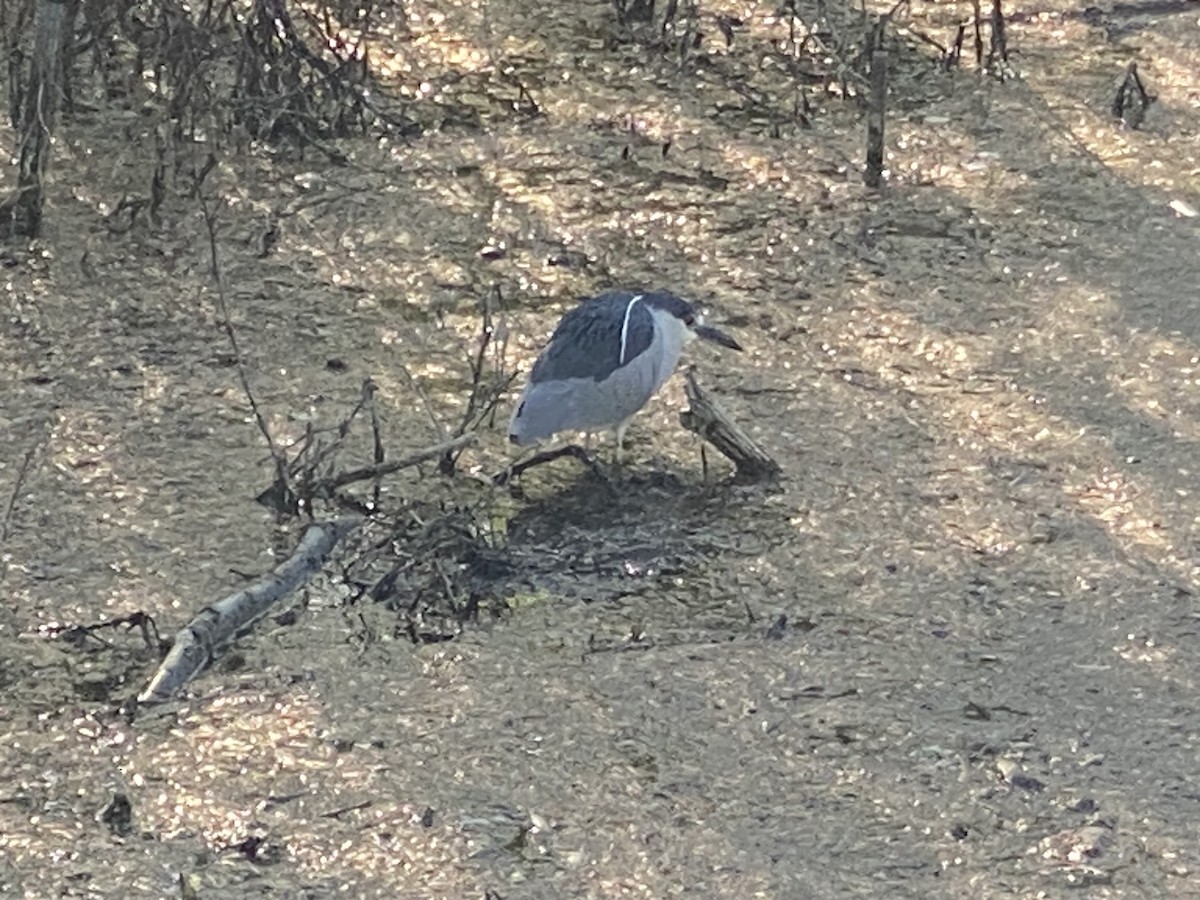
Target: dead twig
873,173
77,634
279,457
954,57
14,496
341,811
978,22
423,396
311,454
486,391
311,474
998,47
326,486
379,454
315,456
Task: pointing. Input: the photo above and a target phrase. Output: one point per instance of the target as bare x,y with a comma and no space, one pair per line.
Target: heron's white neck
670,334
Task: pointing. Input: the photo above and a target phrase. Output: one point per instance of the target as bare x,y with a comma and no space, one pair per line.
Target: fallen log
198,643
705,418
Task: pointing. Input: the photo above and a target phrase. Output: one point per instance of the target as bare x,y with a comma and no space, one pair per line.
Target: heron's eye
689,321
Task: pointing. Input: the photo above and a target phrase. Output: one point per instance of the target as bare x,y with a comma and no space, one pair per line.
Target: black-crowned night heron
606,359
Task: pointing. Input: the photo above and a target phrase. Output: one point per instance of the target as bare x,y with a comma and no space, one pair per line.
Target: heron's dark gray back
587,342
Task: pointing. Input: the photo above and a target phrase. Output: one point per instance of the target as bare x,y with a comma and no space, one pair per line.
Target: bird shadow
592,531
613,499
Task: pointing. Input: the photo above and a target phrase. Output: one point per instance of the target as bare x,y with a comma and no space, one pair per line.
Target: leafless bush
271,70
673,26
284,87
203,77
34,105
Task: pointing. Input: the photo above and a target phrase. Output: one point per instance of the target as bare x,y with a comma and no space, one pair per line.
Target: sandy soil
982,386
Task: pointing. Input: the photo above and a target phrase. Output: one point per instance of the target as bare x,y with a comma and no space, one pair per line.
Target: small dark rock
258,850
778,629
1086,806
1027,783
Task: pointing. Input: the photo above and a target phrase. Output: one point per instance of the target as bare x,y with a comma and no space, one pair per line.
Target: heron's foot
594,465
514,471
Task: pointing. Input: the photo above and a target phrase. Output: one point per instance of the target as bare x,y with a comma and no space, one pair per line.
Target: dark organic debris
117,814
259,849
1132,99
778,629
1027,783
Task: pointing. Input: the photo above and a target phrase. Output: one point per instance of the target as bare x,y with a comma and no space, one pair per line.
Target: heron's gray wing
588,341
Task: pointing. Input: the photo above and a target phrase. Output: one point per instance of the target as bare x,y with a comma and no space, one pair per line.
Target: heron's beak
716,336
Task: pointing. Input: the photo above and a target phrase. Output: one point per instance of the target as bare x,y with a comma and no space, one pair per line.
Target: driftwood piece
706,419
215,626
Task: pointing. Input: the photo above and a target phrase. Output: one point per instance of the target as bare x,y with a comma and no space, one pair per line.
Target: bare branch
326,486
279,457
10,510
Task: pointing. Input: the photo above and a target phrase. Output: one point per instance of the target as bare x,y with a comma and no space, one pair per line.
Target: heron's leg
619,433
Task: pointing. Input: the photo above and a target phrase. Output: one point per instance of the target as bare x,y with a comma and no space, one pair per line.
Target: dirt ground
982,385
